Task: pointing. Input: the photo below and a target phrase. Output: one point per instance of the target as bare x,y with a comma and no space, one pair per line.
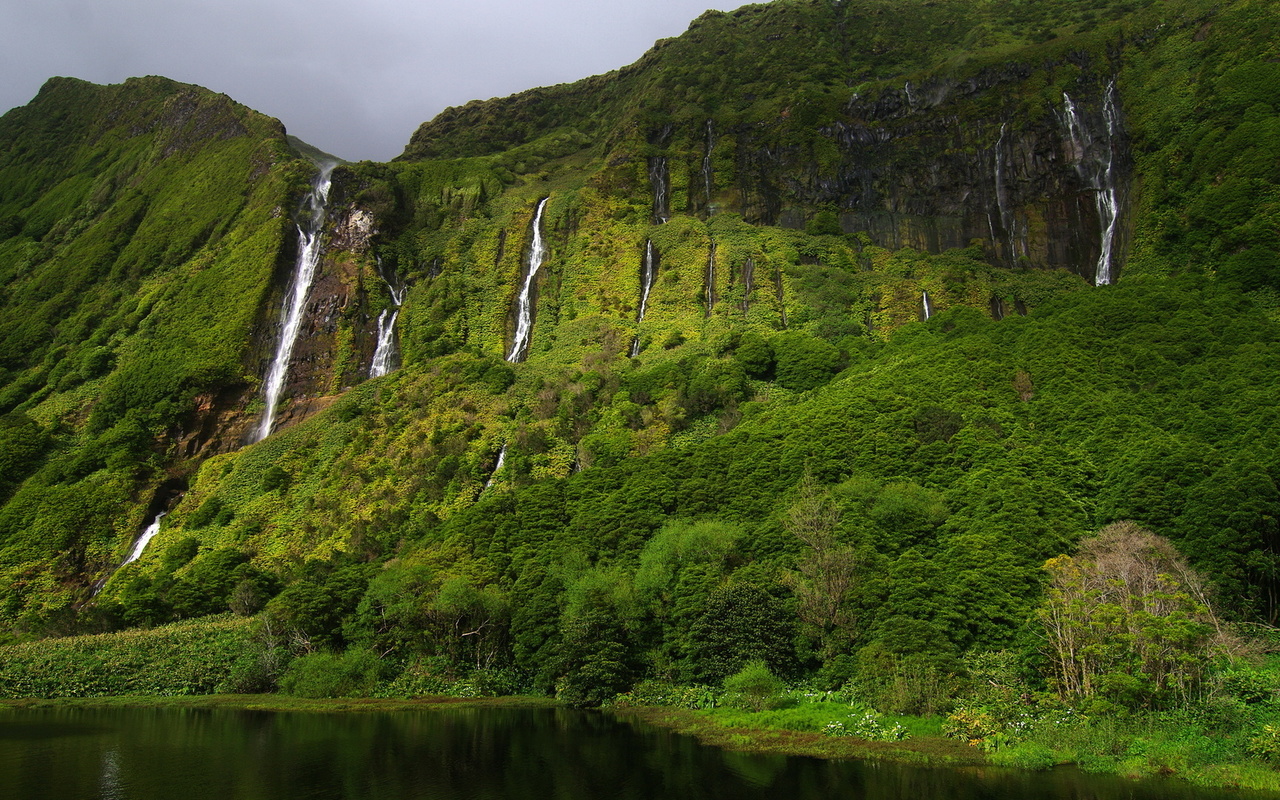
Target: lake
471,753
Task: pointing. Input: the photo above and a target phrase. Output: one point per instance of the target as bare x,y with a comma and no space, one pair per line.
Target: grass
795,732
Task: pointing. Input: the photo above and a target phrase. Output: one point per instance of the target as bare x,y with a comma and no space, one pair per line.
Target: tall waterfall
384,353
660,181
924,301
148,534
1094,157
524,303
711,279
295,301
648,267
1002,196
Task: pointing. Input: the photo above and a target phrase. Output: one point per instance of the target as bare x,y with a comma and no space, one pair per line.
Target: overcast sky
353,78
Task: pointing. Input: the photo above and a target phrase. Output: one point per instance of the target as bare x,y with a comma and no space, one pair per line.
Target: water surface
471,754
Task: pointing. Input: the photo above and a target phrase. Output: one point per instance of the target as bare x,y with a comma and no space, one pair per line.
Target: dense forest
923,354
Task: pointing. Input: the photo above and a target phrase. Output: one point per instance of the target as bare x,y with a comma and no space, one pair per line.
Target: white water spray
296,301
1002,195
524,304
1094,158
148,534
658,179
648,268
928,310
384,353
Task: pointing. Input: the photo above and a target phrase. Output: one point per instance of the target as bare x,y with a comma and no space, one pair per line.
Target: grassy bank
786,734
1134,747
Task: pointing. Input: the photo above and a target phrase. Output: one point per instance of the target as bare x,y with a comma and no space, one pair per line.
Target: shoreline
929,751
926,751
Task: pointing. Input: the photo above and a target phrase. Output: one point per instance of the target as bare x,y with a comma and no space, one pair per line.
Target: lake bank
729,730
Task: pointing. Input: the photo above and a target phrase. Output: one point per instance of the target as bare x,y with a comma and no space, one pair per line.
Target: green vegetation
1041,518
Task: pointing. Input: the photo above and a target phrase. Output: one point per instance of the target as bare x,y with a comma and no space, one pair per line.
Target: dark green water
477,754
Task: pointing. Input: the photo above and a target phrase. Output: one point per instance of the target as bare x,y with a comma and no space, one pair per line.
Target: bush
354,673
753,687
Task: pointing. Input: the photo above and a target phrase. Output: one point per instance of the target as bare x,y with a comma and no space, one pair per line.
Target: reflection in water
109,784
463,754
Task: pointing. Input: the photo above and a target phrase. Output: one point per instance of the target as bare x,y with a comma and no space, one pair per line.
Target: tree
1127,619
826,571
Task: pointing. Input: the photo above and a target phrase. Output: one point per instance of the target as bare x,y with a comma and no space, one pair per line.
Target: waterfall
524,303
659,180
928,310
296,300
648,267
711,279
706,162
1002,195
148,534
497,468
384,353
1094,158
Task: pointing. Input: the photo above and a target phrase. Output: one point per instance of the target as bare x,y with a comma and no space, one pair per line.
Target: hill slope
852,254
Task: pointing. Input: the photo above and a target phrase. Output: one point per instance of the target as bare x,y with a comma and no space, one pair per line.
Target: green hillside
824,365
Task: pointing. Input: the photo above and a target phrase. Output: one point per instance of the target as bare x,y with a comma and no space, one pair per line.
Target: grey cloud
351,78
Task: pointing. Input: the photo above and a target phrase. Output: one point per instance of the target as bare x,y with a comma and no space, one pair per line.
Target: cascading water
648,267
706,162
1094,157
659,180
384,353
497,468
1002,196
148,534
295,301
524,302
711,279
924,301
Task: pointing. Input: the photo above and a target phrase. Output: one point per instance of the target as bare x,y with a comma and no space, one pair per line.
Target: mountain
971,279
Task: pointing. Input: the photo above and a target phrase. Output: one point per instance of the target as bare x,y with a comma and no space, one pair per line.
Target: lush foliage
185,658
859,440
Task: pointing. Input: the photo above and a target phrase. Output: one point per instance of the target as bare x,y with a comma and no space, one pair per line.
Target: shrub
753,687
354,673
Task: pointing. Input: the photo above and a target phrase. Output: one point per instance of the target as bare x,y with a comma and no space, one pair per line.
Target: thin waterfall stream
295,302
148,534
660,181
384,353
648,266
524,302
497,468
1094,157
